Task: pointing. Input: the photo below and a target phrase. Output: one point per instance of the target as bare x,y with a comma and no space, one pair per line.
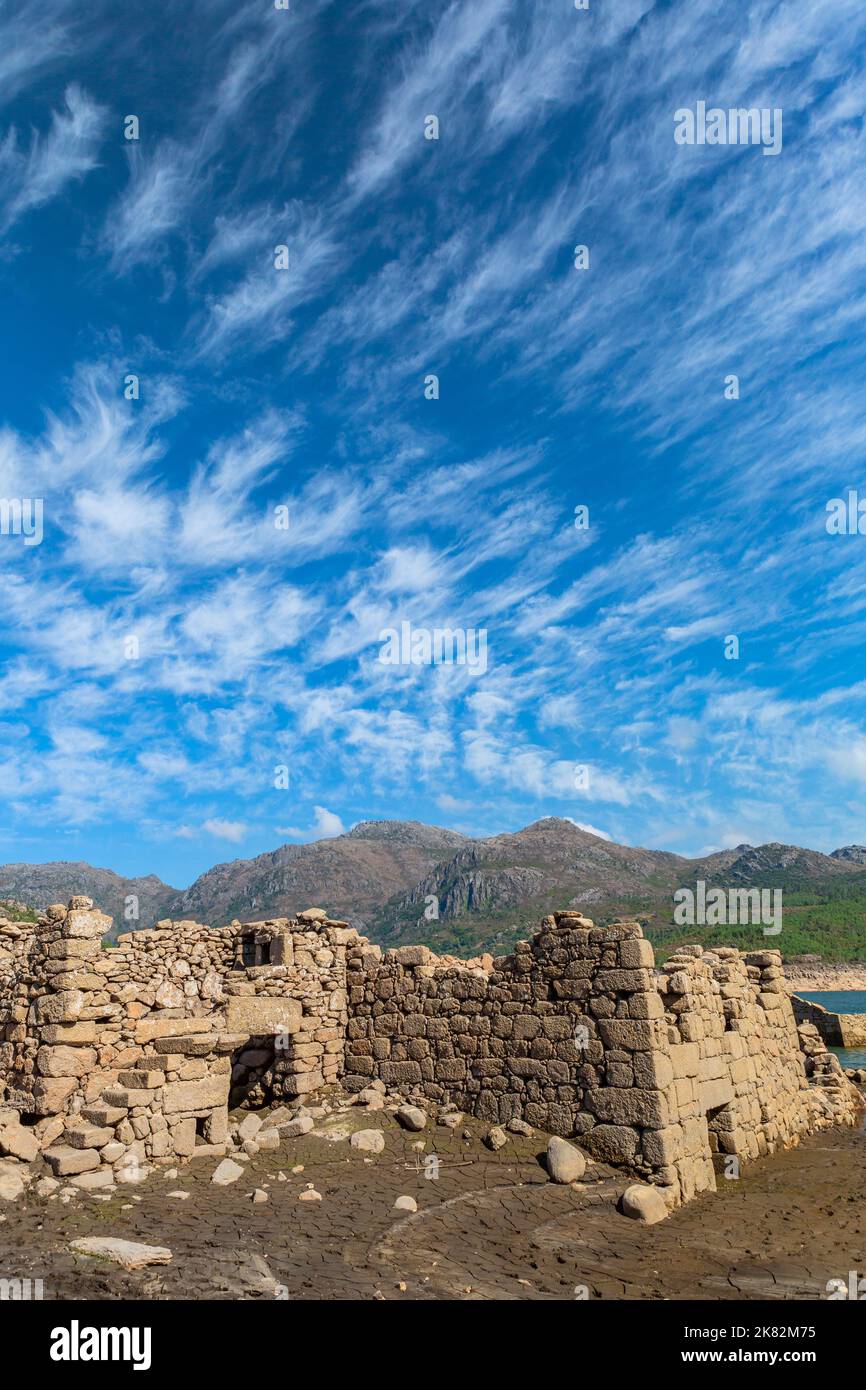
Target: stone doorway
252,1073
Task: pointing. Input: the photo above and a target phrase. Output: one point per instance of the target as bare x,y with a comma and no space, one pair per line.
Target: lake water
842,1001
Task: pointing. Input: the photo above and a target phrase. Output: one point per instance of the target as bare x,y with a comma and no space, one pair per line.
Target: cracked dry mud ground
490,1227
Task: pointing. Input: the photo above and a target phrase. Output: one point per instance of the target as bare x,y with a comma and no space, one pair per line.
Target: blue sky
304,388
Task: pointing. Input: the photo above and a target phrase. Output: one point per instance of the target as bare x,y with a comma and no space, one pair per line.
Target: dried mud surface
491,1226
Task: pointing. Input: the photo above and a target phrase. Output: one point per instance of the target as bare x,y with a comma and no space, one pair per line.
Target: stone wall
826,1022
130,1054
838,1030
577,1034
124,1057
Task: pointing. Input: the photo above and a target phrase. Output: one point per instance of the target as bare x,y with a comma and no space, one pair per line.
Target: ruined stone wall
837,1030
130,1054
119,1058
578,1034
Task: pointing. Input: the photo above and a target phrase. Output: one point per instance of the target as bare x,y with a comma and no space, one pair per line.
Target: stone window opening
255,950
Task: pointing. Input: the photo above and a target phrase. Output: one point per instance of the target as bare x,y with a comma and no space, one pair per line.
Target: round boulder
644,1204
411,1117
565,1163
370,1141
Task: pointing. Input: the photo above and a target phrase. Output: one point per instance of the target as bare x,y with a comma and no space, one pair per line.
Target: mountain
855,854
41,884
492,892
351,875
403,882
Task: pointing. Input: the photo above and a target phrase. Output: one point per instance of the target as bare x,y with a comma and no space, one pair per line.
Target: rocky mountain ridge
404,882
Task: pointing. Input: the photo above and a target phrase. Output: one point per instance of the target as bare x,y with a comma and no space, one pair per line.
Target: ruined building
131,1056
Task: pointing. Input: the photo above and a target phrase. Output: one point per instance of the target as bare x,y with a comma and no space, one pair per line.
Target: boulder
565,1163
644,1204
66,1161
371,1141
411,1117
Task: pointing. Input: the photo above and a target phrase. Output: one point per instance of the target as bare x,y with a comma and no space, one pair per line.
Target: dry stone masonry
116,1059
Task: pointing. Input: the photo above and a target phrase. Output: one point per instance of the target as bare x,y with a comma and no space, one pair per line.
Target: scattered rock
405,1204
310,1195
370,1141
373,1099
452,1120
411,1117
644,1204
129,1254
98,1180
16,1141
495,1138
249,1126
293,1129
259,1196
227,1172
12,1183
565,1163
520,1127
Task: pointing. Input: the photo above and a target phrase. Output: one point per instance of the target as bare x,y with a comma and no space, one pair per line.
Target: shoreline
825,978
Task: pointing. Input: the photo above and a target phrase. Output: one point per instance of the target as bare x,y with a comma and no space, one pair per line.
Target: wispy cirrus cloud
170,644
64,154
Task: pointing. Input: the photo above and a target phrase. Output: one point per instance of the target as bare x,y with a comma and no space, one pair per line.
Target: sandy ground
491,1226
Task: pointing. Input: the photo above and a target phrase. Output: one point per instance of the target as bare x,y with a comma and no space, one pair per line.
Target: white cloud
590,829
326,825
64,155
233,830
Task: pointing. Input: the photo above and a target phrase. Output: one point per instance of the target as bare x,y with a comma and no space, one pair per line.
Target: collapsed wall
132,1054
119,1058
837,1030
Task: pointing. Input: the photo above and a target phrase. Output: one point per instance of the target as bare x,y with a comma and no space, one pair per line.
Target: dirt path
489,1227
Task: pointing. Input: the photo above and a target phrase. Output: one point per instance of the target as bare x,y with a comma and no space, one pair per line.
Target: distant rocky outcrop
353,873
852,854
38,885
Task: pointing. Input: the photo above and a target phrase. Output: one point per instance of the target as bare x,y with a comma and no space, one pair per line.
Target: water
842,1001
